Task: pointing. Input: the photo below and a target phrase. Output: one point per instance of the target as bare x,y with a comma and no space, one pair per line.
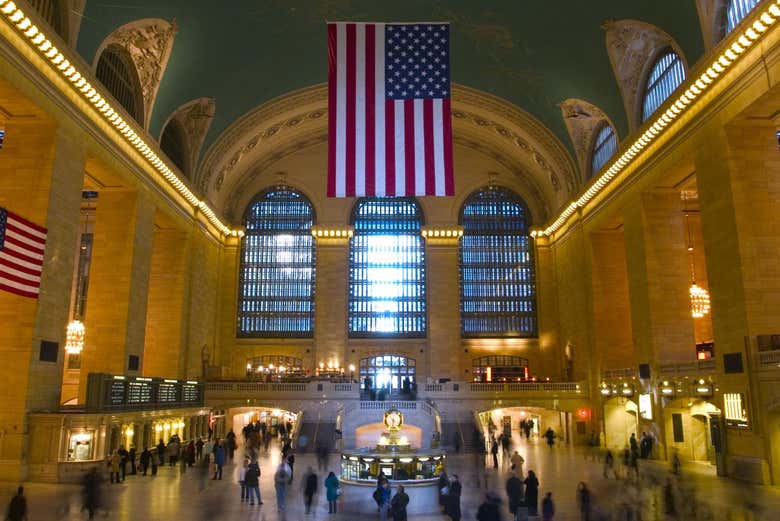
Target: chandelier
700,300
700,297
74,337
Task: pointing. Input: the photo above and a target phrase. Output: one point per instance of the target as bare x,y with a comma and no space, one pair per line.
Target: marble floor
193,496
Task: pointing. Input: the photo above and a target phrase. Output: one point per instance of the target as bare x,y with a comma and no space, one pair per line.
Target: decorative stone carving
195,117
632,45
149,42
582,120
712,18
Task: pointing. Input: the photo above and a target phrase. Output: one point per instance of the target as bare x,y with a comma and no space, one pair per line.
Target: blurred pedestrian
113,466
219,460
514,492
583,501
398,504
332,491
549,435
242,480
309,488
281,476
489,509
452,506
146,458
494,451
609,464
91,492
17,508
443,486
517,464
532,492
548,507
252,483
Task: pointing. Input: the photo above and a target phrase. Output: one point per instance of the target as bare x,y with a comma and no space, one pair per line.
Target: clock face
393,419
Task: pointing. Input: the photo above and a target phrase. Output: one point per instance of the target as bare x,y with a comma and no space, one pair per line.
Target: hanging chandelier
700,300
700,297
74,337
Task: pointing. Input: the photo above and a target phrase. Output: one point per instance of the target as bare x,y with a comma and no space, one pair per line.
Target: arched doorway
688,429
620,421
388,371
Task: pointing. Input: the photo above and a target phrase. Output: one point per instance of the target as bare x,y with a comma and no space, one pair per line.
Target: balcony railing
696,367
769,359
351,391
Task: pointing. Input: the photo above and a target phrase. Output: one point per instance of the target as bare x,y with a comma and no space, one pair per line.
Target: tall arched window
117,73
387,269
497,280
666,75
174,143
276,280
736,11
603,148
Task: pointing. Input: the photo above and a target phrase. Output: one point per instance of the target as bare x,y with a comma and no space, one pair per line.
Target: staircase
315,433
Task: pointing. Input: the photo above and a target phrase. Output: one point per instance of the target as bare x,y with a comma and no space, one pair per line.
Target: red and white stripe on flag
385,142
22,244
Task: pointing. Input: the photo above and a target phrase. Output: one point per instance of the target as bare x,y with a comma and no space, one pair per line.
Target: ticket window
81,446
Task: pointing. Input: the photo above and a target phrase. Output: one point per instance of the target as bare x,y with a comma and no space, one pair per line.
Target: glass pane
387,270
666,75
738,9
497,280
276,290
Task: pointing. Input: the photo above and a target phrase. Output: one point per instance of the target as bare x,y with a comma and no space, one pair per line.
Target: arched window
497,281
736,11
603,148
276,279
666,75
51,11
174,143
117,73
387,269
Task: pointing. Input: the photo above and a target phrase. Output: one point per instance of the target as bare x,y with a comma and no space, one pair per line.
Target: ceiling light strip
696,88
62,65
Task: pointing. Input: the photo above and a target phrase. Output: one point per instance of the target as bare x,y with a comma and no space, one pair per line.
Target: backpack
280,475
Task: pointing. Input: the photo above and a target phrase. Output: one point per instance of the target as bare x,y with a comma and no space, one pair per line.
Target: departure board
166,392
139,392
190,393
116,392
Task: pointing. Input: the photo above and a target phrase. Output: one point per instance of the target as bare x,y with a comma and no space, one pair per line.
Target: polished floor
194,496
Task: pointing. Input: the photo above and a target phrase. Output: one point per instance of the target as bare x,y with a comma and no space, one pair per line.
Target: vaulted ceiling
534,54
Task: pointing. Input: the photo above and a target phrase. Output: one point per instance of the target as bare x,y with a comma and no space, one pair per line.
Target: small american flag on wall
21,254
389,126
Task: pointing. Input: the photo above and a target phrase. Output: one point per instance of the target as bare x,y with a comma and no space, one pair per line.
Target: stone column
659,279
164,346
119,279
330,304
444,338
41,175
613,343
738,176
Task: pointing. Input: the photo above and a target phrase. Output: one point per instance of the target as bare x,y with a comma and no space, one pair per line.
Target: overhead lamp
626,390
703,388
605,391
74,337
667,389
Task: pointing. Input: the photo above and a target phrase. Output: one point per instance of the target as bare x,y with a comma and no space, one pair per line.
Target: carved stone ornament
195,117
583,120
149,42
631,46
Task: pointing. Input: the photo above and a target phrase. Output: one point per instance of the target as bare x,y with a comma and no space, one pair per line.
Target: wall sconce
605,391
626,390
703,388
667,389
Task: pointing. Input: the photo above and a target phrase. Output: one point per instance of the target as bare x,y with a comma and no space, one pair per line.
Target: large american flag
21,254
389,126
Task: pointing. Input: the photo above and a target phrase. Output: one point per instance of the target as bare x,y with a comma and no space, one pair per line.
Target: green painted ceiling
534,53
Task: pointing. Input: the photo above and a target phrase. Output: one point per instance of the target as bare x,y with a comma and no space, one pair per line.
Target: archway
621,417
277,421
688,429
388,371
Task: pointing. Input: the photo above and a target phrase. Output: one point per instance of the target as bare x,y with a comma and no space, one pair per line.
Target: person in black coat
443,488
398,504
146,459
514,492
532,492
489,511
452,505
309,488
494,452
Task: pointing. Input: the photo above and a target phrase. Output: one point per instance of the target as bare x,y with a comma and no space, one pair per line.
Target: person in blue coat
219,461
332,491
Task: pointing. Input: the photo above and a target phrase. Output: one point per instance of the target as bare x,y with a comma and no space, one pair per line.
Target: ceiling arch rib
195,118
299,120
583,120
149,42
632,46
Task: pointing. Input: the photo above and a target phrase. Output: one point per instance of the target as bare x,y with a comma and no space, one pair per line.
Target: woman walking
532,492
583,501
332,491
